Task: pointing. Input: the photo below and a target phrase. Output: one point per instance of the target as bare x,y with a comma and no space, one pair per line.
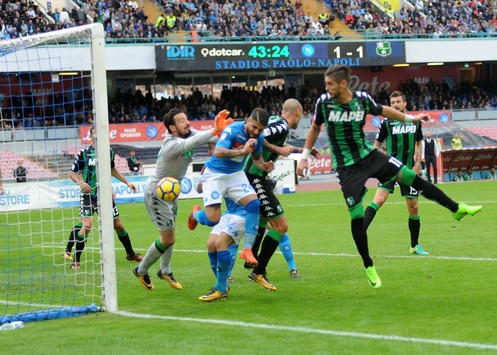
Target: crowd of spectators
434,18
441,96
269,19
133,107
75,108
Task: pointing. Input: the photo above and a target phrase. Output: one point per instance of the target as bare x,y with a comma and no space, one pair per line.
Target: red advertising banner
139,132
322,165
475,158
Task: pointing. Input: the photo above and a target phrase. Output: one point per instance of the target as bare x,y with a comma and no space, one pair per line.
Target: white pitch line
342,204
463,258
346,255
440,342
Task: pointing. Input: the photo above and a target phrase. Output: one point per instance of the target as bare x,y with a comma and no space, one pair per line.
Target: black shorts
270,205
376,165
88,206
405,191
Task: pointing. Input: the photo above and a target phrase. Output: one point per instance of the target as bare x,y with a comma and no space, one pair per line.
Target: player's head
255,124
336,80
292,111
177,123
398,101
428,134
492,169
459,172
132,152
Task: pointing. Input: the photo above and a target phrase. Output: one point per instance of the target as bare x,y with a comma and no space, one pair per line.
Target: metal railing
207,37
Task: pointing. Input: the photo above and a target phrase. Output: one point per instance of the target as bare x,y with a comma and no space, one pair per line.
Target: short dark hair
339,73
169,117
397,94
260,115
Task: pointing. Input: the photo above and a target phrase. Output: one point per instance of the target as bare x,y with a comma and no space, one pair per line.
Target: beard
186,134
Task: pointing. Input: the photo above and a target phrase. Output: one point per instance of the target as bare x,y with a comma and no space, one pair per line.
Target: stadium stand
36,171
487,131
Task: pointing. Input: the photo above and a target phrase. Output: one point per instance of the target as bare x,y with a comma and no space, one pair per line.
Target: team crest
190,153
383,49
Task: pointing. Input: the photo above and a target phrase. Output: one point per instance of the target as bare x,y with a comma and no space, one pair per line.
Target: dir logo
180,52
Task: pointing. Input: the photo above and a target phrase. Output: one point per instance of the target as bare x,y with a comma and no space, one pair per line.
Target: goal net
51,84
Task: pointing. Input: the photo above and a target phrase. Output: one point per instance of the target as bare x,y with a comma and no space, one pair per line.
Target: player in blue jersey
272,212
344,114
223,239
224,176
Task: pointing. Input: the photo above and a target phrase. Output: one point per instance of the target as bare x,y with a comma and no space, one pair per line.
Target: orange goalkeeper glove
221,122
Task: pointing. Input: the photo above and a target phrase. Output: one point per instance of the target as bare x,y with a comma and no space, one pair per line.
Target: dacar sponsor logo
346,116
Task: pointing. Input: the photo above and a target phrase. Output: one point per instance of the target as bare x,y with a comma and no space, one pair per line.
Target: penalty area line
358,335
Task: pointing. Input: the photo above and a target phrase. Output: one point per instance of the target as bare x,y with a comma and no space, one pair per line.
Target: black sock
414,226
361,240
369,215
72,237
430,191
126,242
258,240
269,246
80,246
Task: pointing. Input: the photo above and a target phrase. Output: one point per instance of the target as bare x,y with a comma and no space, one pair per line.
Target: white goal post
33,226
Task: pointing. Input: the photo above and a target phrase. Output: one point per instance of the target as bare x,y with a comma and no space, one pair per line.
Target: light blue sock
233,249
213,261
223,265
286,249
251,223
202,219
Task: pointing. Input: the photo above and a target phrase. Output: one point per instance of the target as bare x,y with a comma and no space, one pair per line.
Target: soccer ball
168,188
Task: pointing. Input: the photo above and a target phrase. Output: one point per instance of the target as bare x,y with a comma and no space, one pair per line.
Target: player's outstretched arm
221,121
259,162
117,174
392,113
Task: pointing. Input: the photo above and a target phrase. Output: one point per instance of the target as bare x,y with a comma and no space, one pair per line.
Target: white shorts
216,186
231,224
162,213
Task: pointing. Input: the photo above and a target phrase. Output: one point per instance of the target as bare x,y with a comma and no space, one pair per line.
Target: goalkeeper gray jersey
176,154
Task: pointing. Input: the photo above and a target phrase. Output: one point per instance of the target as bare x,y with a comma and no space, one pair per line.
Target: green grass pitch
442,303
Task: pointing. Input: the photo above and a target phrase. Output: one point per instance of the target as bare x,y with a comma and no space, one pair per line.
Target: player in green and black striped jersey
83,173
344,114
403,141
275,145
